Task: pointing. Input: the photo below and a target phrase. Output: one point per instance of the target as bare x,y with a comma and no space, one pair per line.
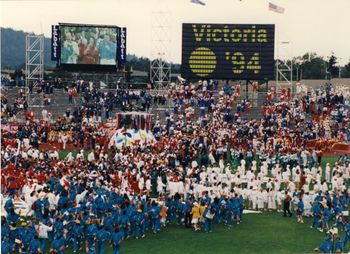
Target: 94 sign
240,63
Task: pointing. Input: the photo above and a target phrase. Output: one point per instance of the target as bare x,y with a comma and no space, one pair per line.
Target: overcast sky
321,26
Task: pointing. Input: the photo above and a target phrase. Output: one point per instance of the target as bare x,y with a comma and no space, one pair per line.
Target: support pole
246,89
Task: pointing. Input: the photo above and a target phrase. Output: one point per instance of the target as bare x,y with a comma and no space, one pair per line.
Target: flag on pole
197,2
276,8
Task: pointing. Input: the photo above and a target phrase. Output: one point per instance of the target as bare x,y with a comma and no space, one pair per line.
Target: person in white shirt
54,155
254,198
43,230
141,184
307,204
69,157
279,198
254,167
285,175
291,187
148,186
91,156
250,176
324,187
265,198
64,140
243,167
328,173
80,155
53,200
306,186
271,199
260,199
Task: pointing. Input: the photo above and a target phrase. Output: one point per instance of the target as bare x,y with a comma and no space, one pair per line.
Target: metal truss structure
34,58
160,67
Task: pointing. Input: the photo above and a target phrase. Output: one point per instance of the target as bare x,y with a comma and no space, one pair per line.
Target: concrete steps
59,104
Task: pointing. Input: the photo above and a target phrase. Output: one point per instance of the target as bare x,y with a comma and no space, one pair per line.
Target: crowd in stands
202,170
20,104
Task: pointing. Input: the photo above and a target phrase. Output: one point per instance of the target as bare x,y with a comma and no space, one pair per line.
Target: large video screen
88,45
228,51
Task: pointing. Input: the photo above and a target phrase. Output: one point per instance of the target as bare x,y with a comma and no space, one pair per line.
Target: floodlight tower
160,66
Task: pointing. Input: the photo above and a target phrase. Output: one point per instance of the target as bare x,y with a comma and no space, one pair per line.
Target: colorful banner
10,127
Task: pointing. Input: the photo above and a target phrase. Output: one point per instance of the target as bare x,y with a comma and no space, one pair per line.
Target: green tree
312,66
333,70
345,71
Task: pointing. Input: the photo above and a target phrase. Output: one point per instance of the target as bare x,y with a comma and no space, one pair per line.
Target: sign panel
228,51
55,43
122,46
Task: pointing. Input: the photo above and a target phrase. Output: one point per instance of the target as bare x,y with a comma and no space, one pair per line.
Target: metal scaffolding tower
284,68
284,71
34,58
160,67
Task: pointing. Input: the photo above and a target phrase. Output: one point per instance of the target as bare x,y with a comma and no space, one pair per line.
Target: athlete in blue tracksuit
27,235
154,213
347,233
38,208
316,211
215,209
58,225
339,246
58,244
300,210
91,232
236,208
124,224
103,236
100,204
108,222
131,212
186,211
179,211
8,205
34,246
326,216
77,236
208,221
140,224
229,213
326,246
12,216
117,238
6,245
171,209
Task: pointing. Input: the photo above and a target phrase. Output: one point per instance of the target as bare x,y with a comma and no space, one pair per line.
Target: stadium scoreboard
88,47
228,51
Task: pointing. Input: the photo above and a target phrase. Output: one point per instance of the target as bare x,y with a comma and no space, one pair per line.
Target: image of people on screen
70,50
107,50
88,45
90,55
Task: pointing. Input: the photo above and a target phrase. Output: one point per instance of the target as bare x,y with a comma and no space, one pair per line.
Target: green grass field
259,233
